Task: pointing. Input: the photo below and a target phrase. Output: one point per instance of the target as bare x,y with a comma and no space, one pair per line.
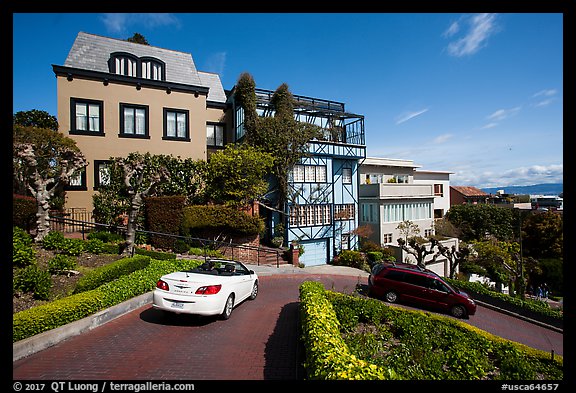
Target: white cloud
119,23
489,125
442,138
481,27
522,176
453,29
216,63
502,114
546,93
409,115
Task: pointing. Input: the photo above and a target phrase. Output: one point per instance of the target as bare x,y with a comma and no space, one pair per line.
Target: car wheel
254,291
391,297
228,307
458,311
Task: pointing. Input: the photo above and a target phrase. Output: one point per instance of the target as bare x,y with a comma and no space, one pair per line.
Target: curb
39,342
519,316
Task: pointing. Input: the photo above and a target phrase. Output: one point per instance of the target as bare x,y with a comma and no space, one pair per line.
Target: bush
94,246
164,215
352,258
106,237
60,263
24,211
22,252
73,247
53,240
35,280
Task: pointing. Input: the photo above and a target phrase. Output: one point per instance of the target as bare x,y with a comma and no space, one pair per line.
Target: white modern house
393,191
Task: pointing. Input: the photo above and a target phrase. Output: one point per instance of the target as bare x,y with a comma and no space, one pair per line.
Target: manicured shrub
164,215
200,219
105,236
73,247
110,272
24,211
352,258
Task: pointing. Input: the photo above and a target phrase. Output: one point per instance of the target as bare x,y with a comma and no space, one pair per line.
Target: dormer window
152,69
121,63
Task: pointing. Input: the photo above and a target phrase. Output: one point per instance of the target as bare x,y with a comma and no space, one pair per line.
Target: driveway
259,342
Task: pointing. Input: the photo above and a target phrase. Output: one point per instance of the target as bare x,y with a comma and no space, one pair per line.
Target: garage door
315,253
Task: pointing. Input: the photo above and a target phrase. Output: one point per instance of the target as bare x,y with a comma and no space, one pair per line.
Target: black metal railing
242,252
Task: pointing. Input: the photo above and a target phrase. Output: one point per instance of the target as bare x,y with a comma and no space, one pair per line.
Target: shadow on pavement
284,352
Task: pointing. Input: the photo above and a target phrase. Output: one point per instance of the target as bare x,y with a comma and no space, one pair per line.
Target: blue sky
479,95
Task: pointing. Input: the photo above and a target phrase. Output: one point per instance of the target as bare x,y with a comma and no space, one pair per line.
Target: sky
477,95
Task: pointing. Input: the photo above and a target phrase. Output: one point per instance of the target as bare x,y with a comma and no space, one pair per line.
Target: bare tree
142,173
454,256
44,159
418,249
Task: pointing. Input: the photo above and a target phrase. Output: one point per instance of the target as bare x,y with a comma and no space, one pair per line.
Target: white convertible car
214,288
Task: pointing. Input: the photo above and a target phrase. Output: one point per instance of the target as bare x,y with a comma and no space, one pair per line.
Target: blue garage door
315,253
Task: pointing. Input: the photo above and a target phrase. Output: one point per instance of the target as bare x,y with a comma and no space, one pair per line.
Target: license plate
177,305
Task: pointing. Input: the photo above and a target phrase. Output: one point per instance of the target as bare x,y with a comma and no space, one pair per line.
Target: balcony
396,191
338,126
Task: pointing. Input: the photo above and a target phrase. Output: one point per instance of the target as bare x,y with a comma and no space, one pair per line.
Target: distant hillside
535,189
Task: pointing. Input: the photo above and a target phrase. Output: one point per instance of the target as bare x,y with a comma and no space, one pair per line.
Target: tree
281,136
237,175
44,160
35,118
543,235
501,261
138,39
477,222
418,249
141,174
455,257
408,229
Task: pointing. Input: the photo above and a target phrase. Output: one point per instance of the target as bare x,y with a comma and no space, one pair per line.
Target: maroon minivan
403,282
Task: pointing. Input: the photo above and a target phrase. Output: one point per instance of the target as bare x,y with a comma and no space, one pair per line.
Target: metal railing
242,252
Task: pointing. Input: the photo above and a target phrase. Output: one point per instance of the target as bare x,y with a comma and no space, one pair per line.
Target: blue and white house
322,209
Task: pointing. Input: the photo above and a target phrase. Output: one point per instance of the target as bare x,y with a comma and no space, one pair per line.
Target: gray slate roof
91,52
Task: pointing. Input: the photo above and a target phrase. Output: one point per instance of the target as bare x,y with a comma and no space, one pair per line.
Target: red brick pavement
259,342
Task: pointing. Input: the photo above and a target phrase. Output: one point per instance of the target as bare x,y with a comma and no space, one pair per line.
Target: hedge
164,215
327,356
198,219
51,315
103,274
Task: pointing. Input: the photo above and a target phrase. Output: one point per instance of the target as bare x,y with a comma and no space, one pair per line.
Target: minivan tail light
209,290
163,285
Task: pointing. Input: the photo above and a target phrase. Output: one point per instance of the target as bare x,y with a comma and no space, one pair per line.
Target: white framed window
310,215
387,238
298,174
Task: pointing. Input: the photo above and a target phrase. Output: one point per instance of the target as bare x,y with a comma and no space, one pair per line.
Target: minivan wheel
458,311
391,297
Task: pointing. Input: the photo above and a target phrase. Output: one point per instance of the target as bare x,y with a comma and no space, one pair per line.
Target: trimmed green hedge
51,315
111,271
327,356
221,218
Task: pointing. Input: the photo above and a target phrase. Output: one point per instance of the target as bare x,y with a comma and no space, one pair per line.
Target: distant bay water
535,189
